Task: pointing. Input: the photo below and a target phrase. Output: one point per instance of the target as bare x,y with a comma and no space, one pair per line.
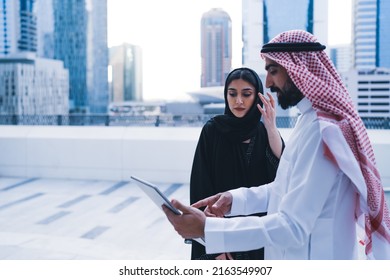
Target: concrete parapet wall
158,154
161,154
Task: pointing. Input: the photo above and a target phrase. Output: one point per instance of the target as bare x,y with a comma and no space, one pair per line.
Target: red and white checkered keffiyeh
316,77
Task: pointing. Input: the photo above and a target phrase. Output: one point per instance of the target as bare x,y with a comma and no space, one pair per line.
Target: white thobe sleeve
307,189
241,195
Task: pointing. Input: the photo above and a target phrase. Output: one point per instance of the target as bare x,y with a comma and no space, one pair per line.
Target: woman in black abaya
236,149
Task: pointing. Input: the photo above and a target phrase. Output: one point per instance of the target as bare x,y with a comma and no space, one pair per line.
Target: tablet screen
159,199
155,194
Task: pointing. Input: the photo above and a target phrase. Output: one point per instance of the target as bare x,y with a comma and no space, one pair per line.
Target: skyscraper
70,46
264,19
28,85
126,65
97,56
282,15
33,86
383,55
18,28
76,33
370,91
45,28
371,34
365,39
216,47
369,81
341,56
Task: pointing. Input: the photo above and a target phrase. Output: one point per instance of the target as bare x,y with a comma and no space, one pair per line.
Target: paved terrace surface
46,219
57,219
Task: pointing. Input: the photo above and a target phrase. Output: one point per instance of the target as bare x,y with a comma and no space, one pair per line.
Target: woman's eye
232,94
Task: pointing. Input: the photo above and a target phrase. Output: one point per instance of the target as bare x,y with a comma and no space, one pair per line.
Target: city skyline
182,41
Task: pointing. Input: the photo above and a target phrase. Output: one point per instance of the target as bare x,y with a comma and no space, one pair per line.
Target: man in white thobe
327,198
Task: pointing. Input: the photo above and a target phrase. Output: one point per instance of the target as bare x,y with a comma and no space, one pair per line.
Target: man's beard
289,96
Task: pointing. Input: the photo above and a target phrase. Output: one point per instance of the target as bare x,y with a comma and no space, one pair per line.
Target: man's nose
268,81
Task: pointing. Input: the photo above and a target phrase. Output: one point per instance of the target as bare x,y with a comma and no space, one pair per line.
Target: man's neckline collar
304,105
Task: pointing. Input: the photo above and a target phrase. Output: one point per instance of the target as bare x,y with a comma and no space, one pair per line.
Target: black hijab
240,129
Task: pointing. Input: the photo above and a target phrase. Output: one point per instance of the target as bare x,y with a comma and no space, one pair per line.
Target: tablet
160,199
155,194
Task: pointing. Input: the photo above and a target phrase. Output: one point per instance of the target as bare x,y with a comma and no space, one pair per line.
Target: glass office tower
371,33
78,37
383,55
70,46
282,15
264,19
97,57
216,47
126,65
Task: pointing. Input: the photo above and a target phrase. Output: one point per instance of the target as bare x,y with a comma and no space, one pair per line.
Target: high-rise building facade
18,28
342,57
45,28
70,46
252,34
365,33
76,33
28,85
383,33
371,34
282,15
126,73
370,91
33,86
97,57
264,19
216,47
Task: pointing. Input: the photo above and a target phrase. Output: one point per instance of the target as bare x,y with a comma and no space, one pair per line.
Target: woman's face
240,97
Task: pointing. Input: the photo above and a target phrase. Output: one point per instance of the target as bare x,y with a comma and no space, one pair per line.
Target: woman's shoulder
209,132
209,126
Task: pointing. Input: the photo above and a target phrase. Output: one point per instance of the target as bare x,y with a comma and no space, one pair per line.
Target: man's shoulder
330,128
331,122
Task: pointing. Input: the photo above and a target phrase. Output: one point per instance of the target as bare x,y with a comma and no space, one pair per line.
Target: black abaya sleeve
272,161
201,174
200,181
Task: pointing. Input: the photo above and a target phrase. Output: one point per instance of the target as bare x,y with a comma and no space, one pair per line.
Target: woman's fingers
271,100
260,109
266,103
